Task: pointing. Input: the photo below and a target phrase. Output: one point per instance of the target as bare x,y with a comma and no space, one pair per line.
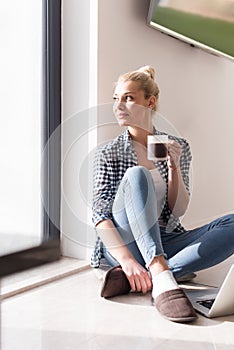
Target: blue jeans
135,217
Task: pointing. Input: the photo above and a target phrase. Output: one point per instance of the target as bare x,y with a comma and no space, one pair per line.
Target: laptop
215,302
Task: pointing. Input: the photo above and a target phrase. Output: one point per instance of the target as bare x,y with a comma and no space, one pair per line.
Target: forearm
113,241
137,275
178,196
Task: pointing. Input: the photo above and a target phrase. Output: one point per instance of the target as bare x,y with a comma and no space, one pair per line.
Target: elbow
178,212
179,208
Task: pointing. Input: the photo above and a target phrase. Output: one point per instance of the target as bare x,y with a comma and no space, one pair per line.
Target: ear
152,102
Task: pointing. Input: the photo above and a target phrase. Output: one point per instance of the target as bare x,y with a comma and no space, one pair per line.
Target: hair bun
148,70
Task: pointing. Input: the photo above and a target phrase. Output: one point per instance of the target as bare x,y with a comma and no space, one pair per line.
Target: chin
122,123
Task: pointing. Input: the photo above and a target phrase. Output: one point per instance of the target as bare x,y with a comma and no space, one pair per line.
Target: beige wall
196,96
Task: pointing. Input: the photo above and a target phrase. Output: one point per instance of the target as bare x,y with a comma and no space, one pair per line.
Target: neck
140,135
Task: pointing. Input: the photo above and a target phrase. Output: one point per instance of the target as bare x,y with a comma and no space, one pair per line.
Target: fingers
174,147
138,276
174,152
140,282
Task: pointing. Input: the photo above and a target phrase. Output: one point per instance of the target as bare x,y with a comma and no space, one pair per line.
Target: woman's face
131,108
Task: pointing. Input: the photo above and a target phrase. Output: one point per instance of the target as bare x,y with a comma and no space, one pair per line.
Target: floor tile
70,312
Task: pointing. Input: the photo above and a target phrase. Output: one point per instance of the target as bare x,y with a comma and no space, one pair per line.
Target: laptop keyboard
207,303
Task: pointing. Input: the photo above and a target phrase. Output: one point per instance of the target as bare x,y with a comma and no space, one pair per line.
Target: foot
170,300
163,282
175,306
115,283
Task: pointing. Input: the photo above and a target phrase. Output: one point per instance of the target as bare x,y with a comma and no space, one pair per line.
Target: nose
120,105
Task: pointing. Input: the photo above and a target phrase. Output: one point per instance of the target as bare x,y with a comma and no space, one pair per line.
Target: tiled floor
70,314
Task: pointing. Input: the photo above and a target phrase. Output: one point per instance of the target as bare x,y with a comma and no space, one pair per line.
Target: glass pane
20,131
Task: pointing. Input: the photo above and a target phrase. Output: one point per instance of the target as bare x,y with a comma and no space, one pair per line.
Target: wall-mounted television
208,24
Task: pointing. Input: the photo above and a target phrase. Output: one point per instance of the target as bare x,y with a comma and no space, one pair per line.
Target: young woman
137,204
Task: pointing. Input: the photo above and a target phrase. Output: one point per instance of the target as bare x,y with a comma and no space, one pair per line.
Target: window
31,111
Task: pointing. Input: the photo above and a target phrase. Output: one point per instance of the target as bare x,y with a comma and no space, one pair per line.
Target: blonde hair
145,76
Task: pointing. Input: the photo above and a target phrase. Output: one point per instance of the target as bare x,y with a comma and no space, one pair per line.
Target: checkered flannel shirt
111,162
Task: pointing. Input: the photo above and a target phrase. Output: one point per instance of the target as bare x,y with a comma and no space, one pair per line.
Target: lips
122,115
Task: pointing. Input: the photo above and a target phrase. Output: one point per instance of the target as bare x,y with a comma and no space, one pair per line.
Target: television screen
208,24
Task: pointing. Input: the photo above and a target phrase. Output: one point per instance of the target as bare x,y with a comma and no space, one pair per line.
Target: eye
115,98
129,98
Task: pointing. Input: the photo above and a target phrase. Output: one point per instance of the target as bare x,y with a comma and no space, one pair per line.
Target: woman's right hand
137,275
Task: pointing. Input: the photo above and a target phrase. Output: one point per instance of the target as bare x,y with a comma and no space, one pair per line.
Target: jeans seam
139,229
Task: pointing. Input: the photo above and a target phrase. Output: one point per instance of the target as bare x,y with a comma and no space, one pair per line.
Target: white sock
163,282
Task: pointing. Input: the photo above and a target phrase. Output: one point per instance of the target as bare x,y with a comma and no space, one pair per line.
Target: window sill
26,280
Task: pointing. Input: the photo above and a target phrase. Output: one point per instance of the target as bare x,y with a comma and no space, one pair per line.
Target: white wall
196,94
79,71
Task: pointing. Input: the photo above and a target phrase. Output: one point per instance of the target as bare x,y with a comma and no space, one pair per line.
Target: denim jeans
135,217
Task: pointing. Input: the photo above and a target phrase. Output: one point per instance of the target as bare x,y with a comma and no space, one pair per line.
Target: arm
178,195
136,274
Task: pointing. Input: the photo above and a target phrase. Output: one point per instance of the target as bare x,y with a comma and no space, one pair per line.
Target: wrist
126,261
173,167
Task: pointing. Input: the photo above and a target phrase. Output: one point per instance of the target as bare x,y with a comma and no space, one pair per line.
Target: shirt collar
127,140
157,132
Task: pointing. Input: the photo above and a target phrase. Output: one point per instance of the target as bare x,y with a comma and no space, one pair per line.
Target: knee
229,220
137,171
139,175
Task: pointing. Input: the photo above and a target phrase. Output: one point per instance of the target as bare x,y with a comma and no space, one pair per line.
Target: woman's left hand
174,154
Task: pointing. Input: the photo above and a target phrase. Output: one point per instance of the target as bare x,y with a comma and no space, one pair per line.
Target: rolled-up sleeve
103,194
185,163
